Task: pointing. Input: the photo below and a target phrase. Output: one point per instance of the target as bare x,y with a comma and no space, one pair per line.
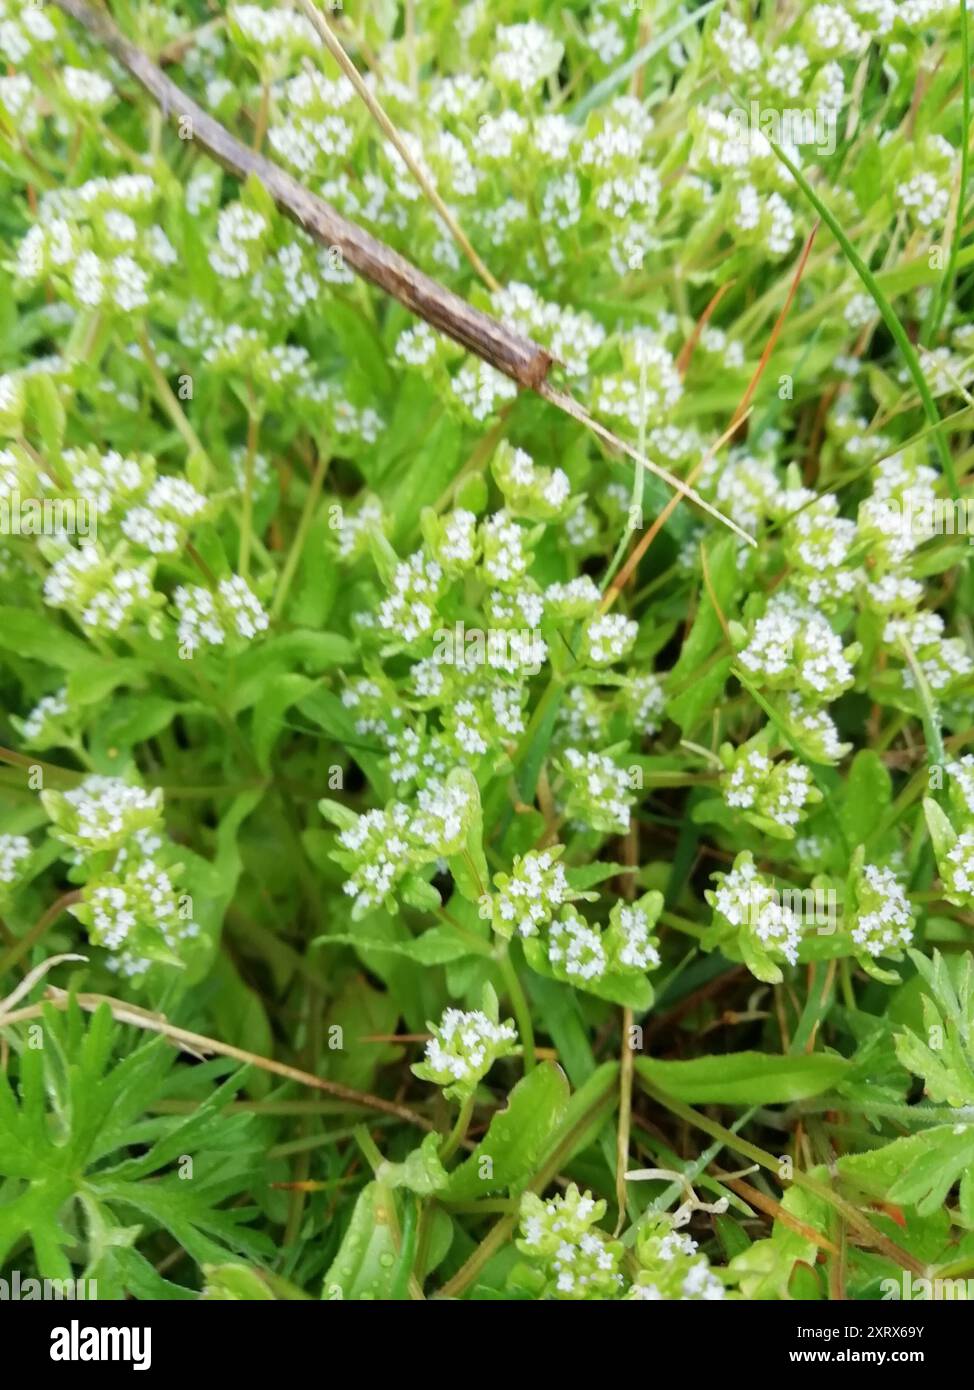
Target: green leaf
365,1266
918,1170
745,1078
584,876
276,699
631,991
420,1172
868,791
437,946
40,636
509,1152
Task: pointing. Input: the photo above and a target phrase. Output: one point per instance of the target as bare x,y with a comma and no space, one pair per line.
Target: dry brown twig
519,358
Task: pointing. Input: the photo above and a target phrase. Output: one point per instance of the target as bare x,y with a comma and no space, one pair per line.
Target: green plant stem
682,924
459,1131
931,722
519,1004
172,406
247,509
300,535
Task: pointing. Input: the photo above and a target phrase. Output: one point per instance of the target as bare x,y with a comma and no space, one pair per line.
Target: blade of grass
890,316
603,90
943,296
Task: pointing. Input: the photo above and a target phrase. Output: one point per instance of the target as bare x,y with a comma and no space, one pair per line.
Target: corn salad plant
438,856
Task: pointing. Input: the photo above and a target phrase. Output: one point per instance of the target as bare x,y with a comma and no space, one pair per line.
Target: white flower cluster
208,618
120,281
649,387
143,900
240,234
632,923
526,55
352,534
274,30
961,771
776,792
457,545
576,598
22,31
87,90
570,337
597,790
89,236
560,1234
957,868
645,700
926,197
108,480
442,813
819,544
106,598
463,1048
740,52
377,849
18,100
482,389
505,558
418,346
410,610
829,31
528,898
943,660
160,523
673,1268
793,647
36,730
575,949
530,491
378,852
14,850
747,900
883,920
102,812
607,638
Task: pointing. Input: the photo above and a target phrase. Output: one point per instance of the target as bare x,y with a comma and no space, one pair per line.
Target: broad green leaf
437,946
365,1266
745,1078
868,790
516,1138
